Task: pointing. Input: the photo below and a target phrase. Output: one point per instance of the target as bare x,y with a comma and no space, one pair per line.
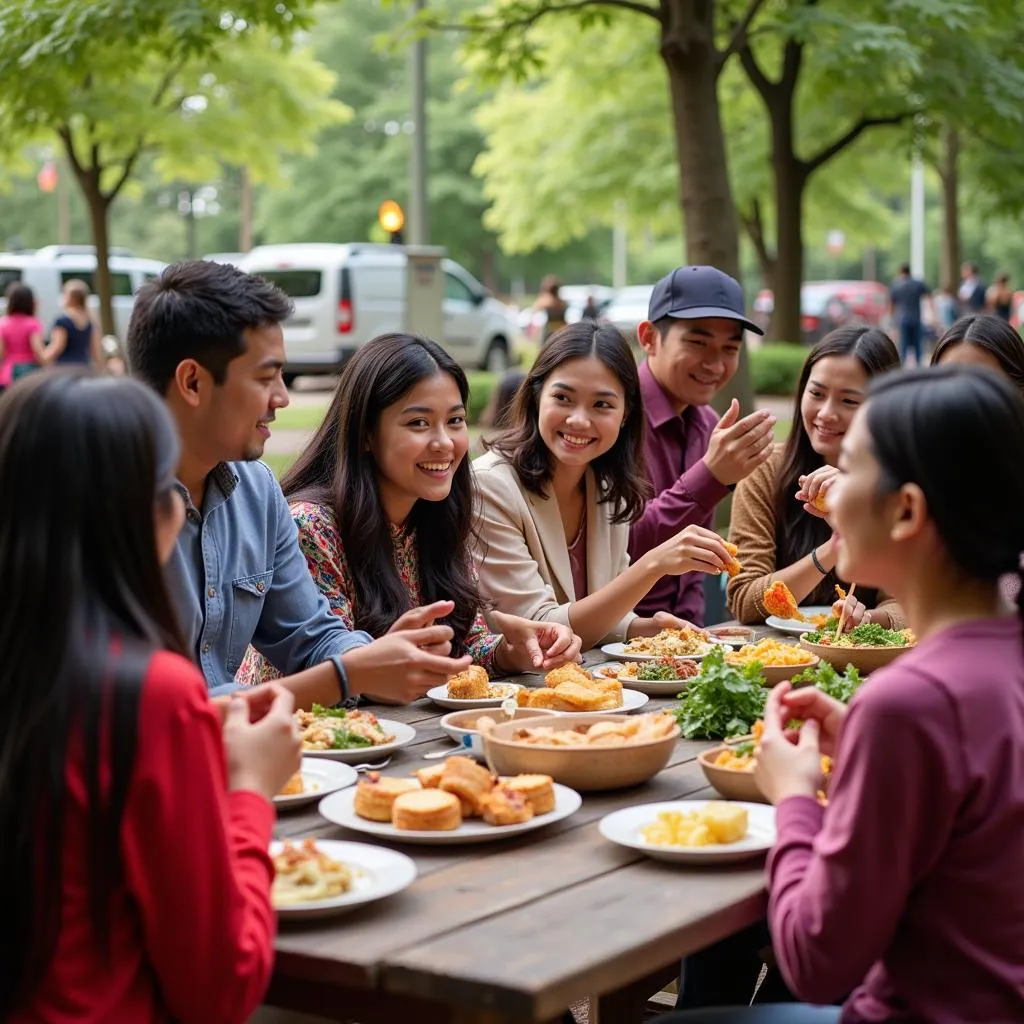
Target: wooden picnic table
517,930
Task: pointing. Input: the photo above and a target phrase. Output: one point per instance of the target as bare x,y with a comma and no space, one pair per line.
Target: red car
825,305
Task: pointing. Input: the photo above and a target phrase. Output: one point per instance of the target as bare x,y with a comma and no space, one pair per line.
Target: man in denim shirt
208,338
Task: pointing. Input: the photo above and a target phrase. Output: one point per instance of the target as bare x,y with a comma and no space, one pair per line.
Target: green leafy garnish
662,669
829,681
345,740
867,634
320,711
722,700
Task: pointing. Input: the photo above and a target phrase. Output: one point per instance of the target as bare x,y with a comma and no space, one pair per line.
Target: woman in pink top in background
908,889
21,334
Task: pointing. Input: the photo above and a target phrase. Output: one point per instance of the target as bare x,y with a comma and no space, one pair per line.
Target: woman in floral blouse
383,500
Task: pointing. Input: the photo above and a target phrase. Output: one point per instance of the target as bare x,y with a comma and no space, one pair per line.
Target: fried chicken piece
778,600
471,684
734,566
571,673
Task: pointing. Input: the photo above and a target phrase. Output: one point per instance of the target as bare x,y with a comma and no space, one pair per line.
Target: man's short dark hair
198,310
905,269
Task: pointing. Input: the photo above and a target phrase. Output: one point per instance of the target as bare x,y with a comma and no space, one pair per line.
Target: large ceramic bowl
731,783
864,659
582,768
461,725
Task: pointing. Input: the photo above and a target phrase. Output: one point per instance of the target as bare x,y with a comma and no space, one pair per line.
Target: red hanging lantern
46,179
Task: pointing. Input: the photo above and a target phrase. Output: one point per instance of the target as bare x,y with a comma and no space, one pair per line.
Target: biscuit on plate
505,806
426,810
376,793
539,791
471,684
468,781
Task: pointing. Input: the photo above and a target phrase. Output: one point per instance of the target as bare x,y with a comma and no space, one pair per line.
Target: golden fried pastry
430,778
538,790
571,673
505,806
471,684
294,786
375,795
426,810
468,781
734,566
609,687
543,698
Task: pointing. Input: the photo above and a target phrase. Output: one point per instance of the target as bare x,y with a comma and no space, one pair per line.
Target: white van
345,295
47,270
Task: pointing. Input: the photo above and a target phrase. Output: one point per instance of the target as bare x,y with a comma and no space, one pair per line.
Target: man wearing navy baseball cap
692,337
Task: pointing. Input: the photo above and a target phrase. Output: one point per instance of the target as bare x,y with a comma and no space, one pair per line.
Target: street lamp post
419,227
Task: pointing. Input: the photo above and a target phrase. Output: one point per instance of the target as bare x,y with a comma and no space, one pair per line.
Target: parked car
346,294
47,270
825,305
628,309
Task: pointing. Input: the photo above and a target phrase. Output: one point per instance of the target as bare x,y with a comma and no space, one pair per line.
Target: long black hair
84,464
925,427
620,472
796,532
337,470
991,334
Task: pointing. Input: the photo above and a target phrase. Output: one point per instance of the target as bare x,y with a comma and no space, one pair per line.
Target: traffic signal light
392,219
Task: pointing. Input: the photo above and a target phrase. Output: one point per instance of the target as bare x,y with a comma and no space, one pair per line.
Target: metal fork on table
372,767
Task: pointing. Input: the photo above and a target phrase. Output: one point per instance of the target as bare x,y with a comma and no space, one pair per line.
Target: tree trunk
99,209
691,57
789,251
710,225
753,224
949,253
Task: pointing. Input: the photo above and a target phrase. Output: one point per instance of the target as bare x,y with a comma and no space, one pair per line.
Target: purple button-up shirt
685,493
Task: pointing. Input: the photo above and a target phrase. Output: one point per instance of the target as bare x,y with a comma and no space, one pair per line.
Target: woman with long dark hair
560,487
906,889
780,532
983,340
133,832
383,500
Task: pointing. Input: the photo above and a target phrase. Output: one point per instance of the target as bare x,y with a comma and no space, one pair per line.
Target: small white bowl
461,725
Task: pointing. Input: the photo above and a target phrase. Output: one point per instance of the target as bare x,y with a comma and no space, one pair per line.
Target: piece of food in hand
376,795
427,810
821,501
468,781
470,684
504,806
734,566
778,600
294,786
537,790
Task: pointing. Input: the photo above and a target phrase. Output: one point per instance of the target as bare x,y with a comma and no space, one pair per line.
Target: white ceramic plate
631,700
619,651
338,808
794,626
403,734
320,778
439,695
379,871
656,687
623,827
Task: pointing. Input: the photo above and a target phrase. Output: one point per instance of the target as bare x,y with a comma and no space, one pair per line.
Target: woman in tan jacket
559,488
780,532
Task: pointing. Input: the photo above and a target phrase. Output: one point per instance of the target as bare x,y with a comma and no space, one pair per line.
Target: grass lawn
300,417
279,463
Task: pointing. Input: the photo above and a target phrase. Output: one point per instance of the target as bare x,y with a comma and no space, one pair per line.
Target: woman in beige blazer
559,488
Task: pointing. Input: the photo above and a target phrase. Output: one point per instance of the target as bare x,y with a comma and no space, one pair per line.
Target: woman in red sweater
133,830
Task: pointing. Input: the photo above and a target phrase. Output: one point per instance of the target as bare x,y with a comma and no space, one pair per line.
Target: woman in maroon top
906,891
133,832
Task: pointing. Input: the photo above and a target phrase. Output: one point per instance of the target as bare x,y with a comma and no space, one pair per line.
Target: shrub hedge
775,368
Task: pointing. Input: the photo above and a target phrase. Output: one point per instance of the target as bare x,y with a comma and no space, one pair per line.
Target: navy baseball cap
690,293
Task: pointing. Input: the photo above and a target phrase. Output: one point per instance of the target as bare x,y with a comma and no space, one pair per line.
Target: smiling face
834,392
582,409
694,359
419,443
234,420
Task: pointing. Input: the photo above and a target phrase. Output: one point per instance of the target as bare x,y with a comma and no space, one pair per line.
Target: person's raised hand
401,667
814,488
738,446
533,646
808,702
262,755
782,767
693,549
